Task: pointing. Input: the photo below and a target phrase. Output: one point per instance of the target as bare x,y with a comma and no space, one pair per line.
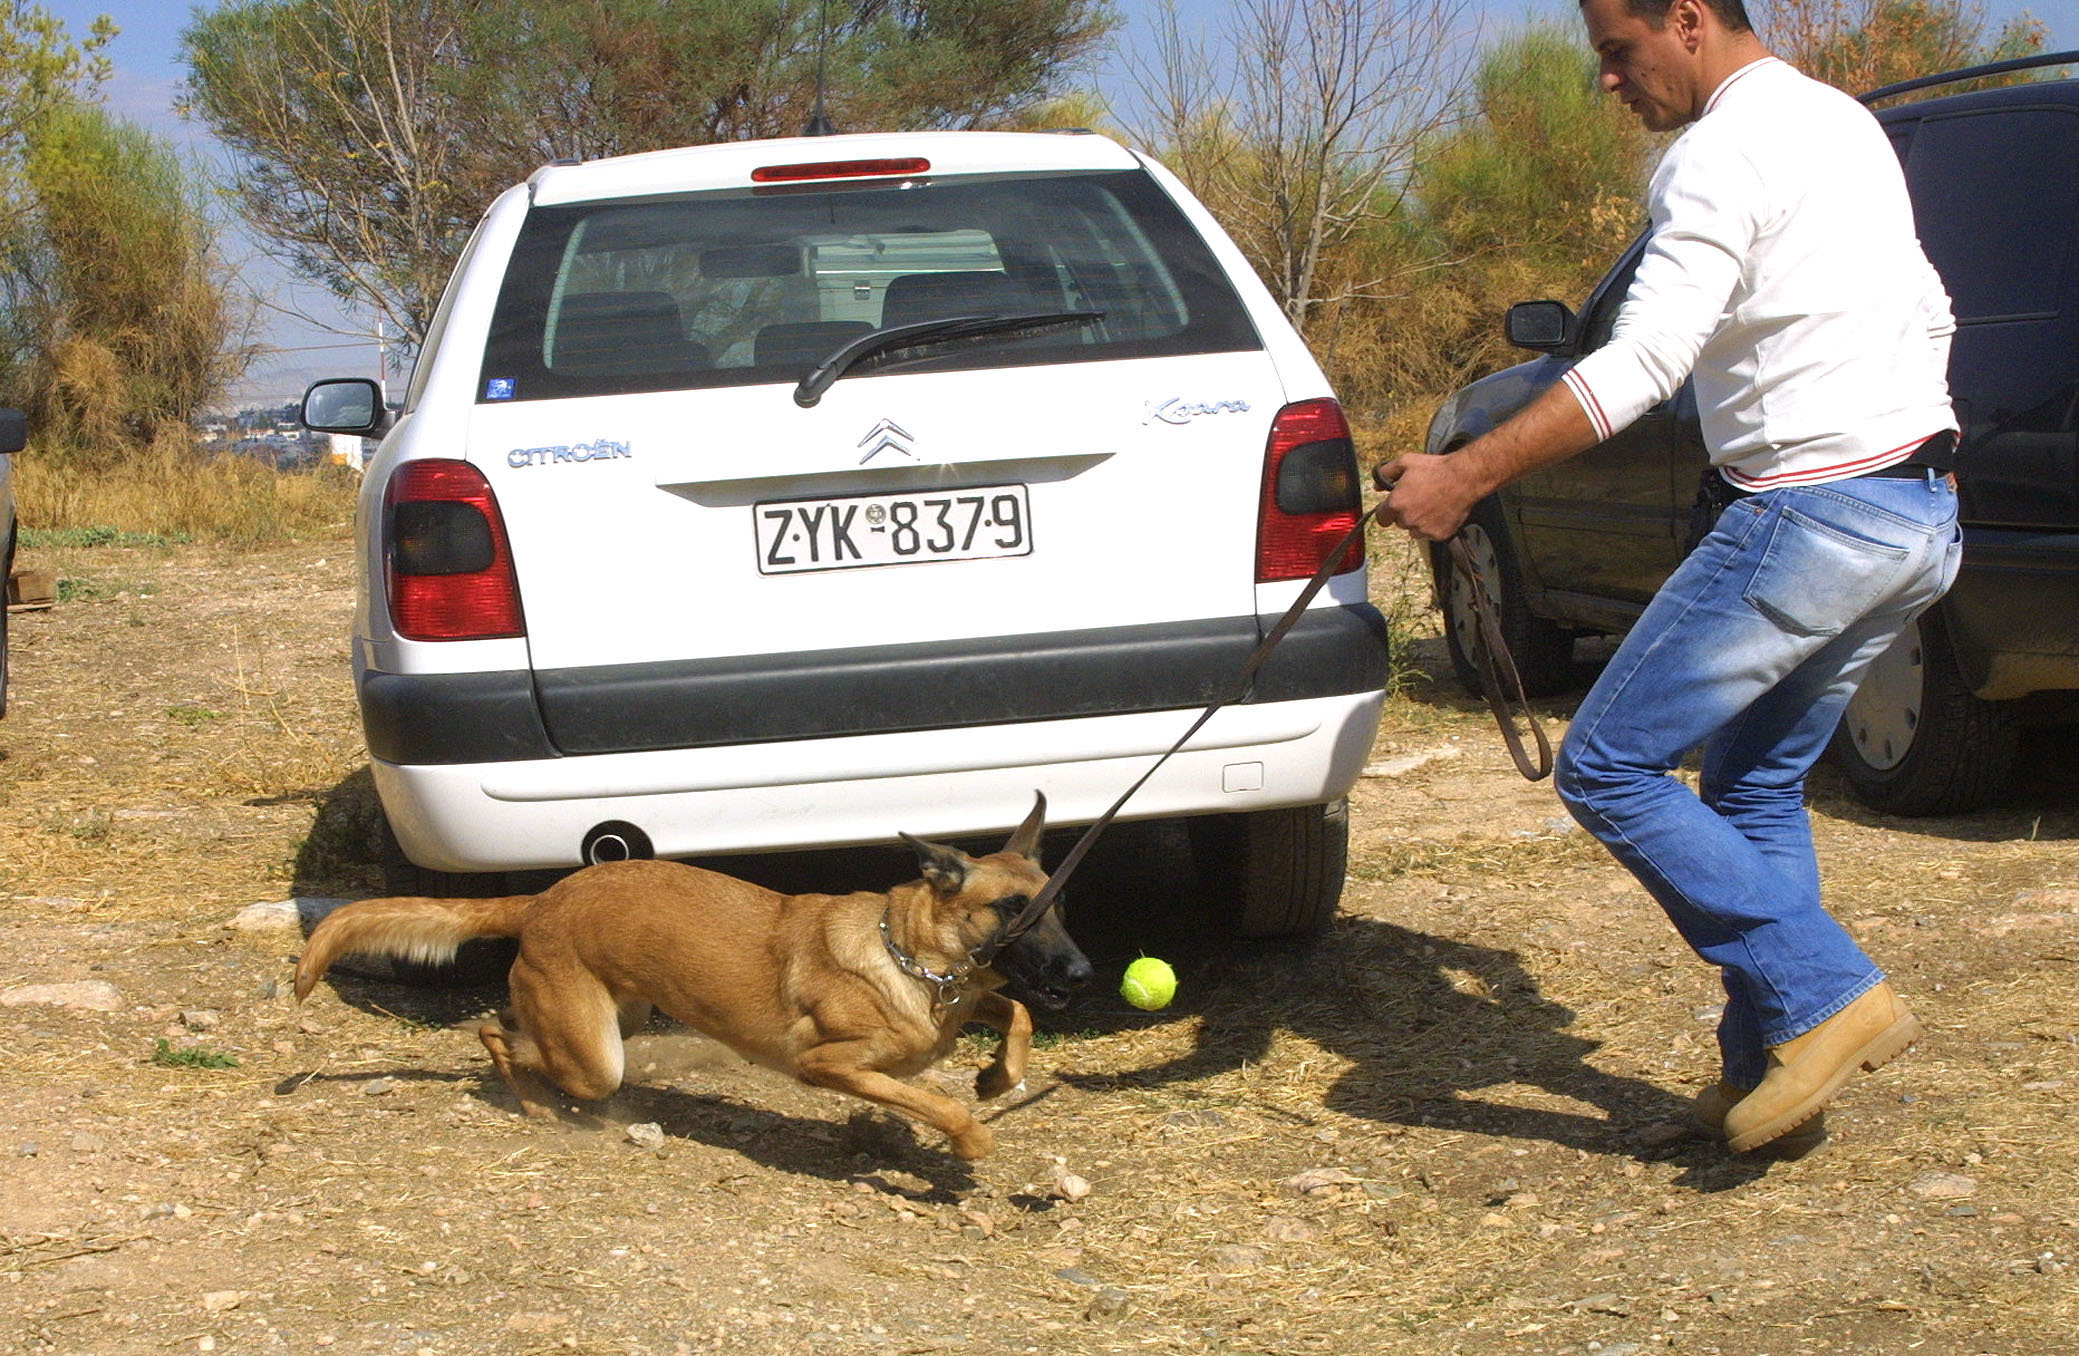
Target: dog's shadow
871,1145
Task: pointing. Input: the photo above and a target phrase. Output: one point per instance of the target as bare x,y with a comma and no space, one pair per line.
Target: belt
1937,454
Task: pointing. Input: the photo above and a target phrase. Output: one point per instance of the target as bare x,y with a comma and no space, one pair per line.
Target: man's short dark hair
1731,13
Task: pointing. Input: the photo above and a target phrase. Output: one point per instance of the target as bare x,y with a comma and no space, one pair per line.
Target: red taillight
446,561
1310,494
840,169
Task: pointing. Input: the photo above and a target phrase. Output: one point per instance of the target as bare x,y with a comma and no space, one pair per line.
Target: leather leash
1490,650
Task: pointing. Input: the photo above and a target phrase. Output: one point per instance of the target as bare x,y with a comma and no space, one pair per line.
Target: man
1783,273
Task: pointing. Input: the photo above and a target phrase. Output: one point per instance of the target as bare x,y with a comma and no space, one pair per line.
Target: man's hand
1425,494
1431,496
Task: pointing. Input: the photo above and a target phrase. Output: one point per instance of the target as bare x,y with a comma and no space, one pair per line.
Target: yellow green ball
1149,984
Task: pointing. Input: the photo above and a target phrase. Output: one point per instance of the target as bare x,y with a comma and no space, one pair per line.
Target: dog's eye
1010,906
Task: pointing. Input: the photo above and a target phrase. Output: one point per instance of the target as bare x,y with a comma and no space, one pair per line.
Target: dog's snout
1076,971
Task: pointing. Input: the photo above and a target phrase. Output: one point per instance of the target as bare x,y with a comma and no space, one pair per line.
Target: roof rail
1972,73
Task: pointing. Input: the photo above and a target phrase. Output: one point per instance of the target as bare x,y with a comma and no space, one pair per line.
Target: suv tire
1914,741
1543,651
1273,873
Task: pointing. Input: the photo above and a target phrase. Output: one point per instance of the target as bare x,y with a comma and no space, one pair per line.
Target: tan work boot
1806,1071
1714,1102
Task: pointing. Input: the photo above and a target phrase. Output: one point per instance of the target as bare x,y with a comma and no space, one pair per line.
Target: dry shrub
169,489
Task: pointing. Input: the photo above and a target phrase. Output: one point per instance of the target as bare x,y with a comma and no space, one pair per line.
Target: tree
1301,125
1859,45
370,134
1532,192
118,303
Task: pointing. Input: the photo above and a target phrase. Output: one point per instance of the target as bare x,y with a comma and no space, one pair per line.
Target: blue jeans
1751,649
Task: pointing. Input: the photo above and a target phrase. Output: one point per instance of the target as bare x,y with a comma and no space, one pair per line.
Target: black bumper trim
627,708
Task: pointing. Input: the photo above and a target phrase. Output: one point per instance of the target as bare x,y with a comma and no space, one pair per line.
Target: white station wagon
775,495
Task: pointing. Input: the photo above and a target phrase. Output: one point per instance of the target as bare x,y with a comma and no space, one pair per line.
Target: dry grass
170,490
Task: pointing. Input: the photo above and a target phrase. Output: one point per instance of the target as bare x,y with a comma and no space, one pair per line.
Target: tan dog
852,992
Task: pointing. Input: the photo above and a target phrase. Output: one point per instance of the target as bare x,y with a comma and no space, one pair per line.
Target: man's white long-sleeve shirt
1783,271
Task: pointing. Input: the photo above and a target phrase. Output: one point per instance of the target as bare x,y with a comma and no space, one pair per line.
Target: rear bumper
2013,614
516,715
864,788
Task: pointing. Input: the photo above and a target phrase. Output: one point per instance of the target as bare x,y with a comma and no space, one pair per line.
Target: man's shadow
1436,1031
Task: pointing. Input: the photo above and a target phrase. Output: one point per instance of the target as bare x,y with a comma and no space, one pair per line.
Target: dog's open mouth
1052,997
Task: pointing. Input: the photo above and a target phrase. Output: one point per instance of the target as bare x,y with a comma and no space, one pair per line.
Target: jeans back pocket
1815,579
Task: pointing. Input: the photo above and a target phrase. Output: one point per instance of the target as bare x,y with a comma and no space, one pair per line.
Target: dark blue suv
1580,547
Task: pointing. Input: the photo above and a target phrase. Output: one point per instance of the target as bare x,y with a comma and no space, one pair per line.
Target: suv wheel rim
1480,547
1884,713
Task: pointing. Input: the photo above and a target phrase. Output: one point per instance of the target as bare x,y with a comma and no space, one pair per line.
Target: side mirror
345,405
14,430
1541,326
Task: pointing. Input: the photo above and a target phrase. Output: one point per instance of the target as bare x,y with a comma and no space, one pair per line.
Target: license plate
980,523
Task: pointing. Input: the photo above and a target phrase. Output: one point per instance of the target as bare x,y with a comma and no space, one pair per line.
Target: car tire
1914,741
1542,651
1273,873
481,963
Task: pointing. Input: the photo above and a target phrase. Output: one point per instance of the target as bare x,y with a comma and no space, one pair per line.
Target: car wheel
1543,651
1273,873
1914,741
477,964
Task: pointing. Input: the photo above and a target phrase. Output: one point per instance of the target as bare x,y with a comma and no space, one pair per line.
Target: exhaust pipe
615,841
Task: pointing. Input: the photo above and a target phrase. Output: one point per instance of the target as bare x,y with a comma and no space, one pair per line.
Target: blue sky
148,75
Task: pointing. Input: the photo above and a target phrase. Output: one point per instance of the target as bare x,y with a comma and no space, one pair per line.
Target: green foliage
166,1056
1531,192
371,134
100,535
1859,45
117,307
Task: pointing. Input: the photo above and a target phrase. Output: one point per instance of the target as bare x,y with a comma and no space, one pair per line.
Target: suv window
2005,255
737,287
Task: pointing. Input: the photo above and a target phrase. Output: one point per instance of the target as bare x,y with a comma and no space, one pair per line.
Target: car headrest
915,297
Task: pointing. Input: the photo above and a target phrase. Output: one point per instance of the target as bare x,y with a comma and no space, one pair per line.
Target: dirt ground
1452,1124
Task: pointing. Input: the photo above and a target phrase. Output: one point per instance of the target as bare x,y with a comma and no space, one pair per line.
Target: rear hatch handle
898,343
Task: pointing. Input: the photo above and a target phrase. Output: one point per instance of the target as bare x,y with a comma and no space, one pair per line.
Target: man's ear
1688,18
945,868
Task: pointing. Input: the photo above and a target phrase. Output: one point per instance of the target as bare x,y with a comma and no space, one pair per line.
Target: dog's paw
994,1082
977,1141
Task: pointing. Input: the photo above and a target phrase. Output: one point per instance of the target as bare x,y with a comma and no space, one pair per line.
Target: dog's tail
425,931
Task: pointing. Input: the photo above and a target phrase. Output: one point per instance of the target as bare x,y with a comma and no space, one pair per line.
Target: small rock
97,995
1318,1182
536,1323
1076,1276
1288,1229
222,1301
1233,1258
86,1142
278,914
646,1135
1943,1186
1069,1187
1108,1302
1622,1349
983,1223
30,1148
201,1019
1202,1117
378,1087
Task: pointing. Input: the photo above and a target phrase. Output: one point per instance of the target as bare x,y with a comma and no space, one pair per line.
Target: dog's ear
944,867
1026,840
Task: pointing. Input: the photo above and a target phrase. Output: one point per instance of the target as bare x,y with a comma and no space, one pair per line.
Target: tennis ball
1149,984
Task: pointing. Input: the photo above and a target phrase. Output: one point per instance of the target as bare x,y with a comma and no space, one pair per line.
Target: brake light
446,562
1310,493
840,169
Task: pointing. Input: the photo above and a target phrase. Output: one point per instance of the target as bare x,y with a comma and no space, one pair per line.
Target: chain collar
951,987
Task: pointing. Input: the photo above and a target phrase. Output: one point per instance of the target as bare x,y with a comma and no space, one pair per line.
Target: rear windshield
737,287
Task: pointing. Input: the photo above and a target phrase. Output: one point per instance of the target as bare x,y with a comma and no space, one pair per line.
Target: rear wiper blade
893,343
